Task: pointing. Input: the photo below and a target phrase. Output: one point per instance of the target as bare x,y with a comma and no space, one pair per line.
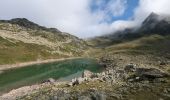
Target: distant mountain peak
155,23
21,19
23,22
152,18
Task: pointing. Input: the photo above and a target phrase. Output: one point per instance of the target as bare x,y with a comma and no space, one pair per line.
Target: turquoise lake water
18,77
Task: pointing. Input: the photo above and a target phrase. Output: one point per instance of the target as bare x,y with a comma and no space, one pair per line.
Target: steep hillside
153,24
23,40
148,45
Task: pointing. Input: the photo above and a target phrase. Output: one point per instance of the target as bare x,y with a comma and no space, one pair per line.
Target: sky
84,18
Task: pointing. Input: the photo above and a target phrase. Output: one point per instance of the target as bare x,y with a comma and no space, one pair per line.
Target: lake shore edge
24,64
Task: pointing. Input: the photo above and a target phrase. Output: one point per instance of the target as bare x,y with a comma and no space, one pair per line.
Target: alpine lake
35,74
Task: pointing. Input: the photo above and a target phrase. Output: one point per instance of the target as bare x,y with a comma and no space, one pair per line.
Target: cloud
144,8
83,18
109,8
147,6
73,16
116,7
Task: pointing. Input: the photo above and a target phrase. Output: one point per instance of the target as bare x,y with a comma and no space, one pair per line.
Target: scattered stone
69,84
74,82
130,68
50,80
84,98
162,63
166,90
98,95
159,80
151,73
80,80
106,62
87,74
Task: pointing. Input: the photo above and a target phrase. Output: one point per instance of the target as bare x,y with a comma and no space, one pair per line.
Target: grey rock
84,98
50,80
81,80
130,68
87,74
98,96
162,62
150,73
74,82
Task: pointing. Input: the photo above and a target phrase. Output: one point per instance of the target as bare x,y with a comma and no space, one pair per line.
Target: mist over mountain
153,24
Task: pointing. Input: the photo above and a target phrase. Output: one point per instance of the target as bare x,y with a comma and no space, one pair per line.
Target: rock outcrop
149,74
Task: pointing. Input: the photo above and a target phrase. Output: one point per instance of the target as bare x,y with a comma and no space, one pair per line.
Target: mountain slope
153,24
23,40
139,47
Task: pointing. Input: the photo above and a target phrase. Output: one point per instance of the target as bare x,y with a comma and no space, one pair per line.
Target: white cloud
144,8
74,16
122,24
147,6
117,7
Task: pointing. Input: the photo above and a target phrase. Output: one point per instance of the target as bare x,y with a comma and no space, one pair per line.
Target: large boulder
87,74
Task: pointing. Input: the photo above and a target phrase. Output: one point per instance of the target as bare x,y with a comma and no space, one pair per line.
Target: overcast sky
84,18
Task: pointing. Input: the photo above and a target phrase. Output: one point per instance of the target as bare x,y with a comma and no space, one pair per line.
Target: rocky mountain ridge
20,34
153,24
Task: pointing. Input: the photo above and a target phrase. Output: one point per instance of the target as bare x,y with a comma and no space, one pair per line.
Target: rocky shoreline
129,79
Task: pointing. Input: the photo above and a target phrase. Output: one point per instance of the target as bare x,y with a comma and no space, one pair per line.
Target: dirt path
10,66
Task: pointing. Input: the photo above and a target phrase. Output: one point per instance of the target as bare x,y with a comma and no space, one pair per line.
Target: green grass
18,51
36,73
155,44
22,52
